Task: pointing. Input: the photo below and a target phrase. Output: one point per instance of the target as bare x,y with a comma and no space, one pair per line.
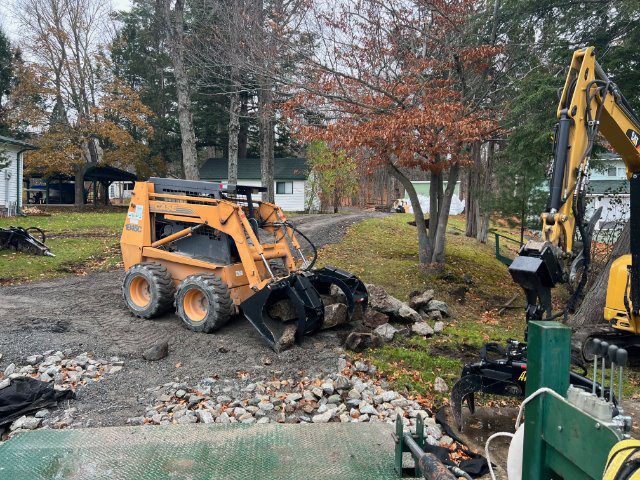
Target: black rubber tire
161,289
220,306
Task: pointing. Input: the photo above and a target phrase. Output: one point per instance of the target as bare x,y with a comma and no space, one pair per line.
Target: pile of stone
62,368
387,317
65,371
349,396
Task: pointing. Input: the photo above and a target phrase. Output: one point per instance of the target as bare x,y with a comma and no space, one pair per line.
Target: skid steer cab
211,251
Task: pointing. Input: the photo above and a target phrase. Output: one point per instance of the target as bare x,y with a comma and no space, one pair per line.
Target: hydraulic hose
313,247
311,264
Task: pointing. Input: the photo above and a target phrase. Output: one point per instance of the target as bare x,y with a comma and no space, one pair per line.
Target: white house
11,168
609,188
290,178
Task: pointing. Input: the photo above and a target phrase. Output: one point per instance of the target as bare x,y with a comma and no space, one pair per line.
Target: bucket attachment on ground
303,290
22,240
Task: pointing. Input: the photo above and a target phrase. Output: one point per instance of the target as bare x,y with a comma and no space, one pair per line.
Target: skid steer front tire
203,303
148,290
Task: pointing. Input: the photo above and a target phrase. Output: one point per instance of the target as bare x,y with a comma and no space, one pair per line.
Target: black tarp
26,395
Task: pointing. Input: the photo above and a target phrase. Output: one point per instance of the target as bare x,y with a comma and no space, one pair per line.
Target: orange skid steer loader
211,251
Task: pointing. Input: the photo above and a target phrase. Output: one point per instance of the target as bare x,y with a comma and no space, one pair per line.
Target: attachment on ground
26,240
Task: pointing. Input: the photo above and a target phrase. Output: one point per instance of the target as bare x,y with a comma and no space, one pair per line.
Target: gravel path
87,314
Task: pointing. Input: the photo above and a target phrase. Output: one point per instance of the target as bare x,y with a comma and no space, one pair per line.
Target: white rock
10,369
5,383
386,331
422,328
368,409
204,416
438,327
322,417
439,385
389,395
327,388
446,440
293,397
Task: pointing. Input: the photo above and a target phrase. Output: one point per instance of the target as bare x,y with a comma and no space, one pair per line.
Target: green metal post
548,359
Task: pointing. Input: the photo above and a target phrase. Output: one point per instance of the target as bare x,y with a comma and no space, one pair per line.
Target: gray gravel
86,313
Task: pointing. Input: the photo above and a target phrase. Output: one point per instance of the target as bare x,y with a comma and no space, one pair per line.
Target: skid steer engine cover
303,290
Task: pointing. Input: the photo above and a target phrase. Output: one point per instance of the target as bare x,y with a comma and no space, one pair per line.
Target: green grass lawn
81,241
474,284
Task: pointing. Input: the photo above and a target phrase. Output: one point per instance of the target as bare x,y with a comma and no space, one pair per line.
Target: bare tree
64,37
173,15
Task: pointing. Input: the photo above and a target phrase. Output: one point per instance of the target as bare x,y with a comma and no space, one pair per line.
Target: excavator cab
211,250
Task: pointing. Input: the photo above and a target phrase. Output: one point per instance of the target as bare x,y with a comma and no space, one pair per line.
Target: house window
612,172
284,188
622,171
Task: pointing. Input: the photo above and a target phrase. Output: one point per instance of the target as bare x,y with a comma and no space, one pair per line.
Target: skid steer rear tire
148,290
203,303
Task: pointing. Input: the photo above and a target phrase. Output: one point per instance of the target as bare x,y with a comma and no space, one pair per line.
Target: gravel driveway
87,314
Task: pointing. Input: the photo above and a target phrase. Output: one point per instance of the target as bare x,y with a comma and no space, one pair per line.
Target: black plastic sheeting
25,395
476,466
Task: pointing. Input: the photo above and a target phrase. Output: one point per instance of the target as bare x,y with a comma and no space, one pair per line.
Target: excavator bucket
303,290
22,240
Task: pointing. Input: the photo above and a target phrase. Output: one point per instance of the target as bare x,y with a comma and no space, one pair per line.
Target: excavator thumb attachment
306,302
464,389
21,240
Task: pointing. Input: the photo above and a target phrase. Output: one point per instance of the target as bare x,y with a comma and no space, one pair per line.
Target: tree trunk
424,244
435,194
174,23
471,197
244,124
234,129
591,311
443,215
266,140
78,187
484,200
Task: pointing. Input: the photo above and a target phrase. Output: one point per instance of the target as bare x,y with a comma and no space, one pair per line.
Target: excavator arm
590,103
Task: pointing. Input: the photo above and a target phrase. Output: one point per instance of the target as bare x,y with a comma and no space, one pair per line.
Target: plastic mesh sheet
333,450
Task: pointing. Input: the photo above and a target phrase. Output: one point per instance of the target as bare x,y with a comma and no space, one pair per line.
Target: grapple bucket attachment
305,300
350,285
21,240
303,290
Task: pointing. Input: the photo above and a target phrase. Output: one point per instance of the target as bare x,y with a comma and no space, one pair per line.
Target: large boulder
334,315
374,319
437,305
398,311
422,328
421,299
359,341
386,332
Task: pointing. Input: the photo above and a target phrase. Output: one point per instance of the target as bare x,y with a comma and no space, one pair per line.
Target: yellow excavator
590,103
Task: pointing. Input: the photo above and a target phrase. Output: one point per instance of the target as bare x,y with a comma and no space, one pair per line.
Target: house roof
13,141
287,168
608,187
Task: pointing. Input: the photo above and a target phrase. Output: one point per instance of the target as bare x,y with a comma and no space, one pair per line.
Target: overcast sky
8,23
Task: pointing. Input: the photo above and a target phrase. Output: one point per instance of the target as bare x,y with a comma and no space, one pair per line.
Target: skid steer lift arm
590,102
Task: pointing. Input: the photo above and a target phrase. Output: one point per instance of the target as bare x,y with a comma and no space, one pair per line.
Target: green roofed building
290,178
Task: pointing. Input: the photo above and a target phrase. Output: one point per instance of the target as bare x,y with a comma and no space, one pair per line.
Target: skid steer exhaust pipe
303,290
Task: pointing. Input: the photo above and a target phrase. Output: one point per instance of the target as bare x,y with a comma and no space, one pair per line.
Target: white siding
9,178
293,202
